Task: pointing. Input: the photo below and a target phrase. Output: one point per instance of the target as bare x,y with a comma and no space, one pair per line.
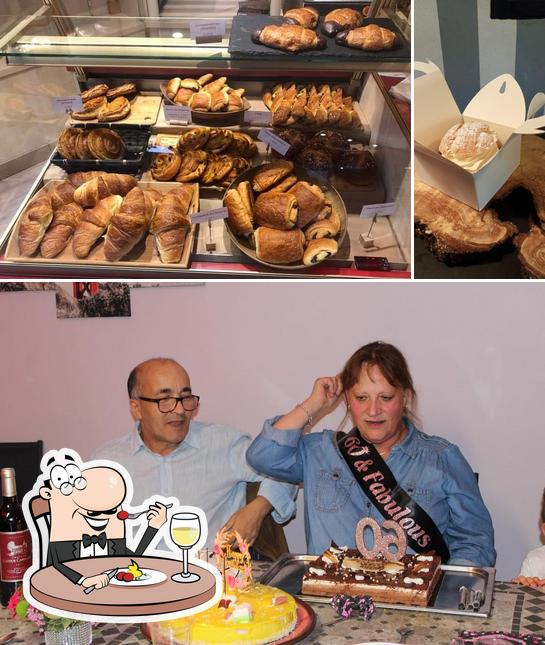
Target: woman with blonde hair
384,468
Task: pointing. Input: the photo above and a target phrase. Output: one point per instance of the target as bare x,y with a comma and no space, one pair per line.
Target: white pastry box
500,104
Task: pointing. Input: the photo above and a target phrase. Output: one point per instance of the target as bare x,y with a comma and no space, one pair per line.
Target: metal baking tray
287,574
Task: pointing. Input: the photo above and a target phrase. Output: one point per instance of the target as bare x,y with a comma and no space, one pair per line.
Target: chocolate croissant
310,199
368,38
270,174
341,19
279,247
276,210
319,249
290,38
303,16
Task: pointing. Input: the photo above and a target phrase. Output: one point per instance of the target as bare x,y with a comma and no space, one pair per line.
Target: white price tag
370,210
205,216
67,104
207,30
177,113
161,149
260,117
277,143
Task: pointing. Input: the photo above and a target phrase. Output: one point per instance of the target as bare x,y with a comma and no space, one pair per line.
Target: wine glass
185,530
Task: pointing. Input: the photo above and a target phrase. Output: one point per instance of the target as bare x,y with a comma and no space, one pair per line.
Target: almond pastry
118,109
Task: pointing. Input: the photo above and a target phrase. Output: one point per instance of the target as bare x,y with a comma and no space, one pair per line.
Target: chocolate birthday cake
408,581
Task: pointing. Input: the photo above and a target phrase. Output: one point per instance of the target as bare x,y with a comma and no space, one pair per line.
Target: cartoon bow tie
94,539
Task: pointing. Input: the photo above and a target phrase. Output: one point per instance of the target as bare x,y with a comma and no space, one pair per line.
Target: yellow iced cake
252,616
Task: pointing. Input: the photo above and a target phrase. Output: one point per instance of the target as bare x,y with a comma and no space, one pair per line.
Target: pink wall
476,352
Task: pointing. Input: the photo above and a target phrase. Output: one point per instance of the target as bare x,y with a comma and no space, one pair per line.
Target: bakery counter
515,609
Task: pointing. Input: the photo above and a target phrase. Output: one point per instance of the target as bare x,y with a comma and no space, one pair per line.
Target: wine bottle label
15,555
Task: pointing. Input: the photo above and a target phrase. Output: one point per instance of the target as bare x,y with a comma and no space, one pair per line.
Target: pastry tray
241,42
287,574
144,111
144,254
135,139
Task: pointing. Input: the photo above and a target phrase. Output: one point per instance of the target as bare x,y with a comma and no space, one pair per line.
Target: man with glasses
202,464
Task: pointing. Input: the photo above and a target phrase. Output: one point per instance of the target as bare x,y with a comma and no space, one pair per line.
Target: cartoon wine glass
185,530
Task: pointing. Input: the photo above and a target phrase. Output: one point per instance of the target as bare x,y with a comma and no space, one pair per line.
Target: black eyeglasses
169,403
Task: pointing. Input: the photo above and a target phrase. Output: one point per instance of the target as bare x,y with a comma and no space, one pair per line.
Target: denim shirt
430,469
208,469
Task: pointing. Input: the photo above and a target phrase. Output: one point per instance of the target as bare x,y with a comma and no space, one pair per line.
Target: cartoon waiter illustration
87,519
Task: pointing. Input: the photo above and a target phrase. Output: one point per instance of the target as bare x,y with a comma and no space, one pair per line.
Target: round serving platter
247,245
212,118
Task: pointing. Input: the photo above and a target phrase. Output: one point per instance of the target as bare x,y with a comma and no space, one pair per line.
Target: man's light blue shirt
208,469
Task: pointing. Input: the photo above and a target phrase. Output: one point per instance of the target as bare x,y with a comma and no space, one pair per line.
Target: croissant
291,38
79,178
88,194
60,230
270,174
61,194
129,224
369,38
34,222
93,223
303,16
183,96
319,249
172,87
118,109
105,143
165,166
171,222
310,199
201,101
341,19
215,86
240,215
279,247
276,210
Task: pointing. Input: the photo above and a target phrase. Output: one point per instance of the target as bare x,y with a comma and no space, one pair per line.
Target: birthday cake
409,580
247,614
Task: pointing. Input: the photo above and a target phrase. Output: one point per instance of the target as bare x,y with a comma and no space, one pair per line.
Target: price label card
278,144
260,117
167,140
205,216
177,113
207,31
162,149
67,104
370,210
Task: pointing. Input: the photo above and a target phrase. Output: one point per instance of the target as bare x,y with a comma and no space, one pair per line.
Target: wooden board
144,254
144,111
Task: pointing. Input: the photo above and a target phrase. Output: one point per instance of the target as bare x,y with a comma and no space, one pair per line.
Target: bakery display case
297,163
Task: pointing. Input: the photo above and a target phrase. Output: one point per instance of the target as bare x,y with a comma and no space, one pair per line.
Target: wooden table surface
515,609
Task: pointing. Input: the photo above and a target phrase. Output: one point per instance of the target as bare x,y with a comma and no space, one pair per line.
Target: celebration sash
379,484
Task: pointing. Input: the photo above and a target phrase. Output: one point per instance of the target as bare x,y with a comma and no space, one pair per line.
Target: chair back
39,509
25,457
271,541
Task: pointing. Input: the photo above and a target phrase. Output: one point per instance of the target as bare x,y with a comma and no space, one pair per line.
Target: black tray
136,139
241,42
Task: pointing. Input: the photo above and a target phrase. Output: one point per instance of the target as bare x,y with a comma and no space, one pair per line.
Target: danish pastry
276,210
319,249
279,247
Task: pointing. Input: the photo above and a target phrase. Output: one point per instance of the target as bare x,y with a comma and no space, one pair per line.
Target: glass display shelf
114,41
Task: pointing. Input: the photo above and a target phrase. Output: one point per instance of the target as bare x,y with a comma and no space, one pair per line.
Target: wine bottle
15,543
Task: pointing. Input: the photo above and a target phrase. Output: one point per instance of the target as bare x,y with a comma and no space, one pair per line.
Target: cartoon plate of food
134,576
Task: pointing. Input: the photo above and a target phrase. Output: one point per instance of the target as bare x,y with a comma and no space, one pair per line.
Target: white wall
476,352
